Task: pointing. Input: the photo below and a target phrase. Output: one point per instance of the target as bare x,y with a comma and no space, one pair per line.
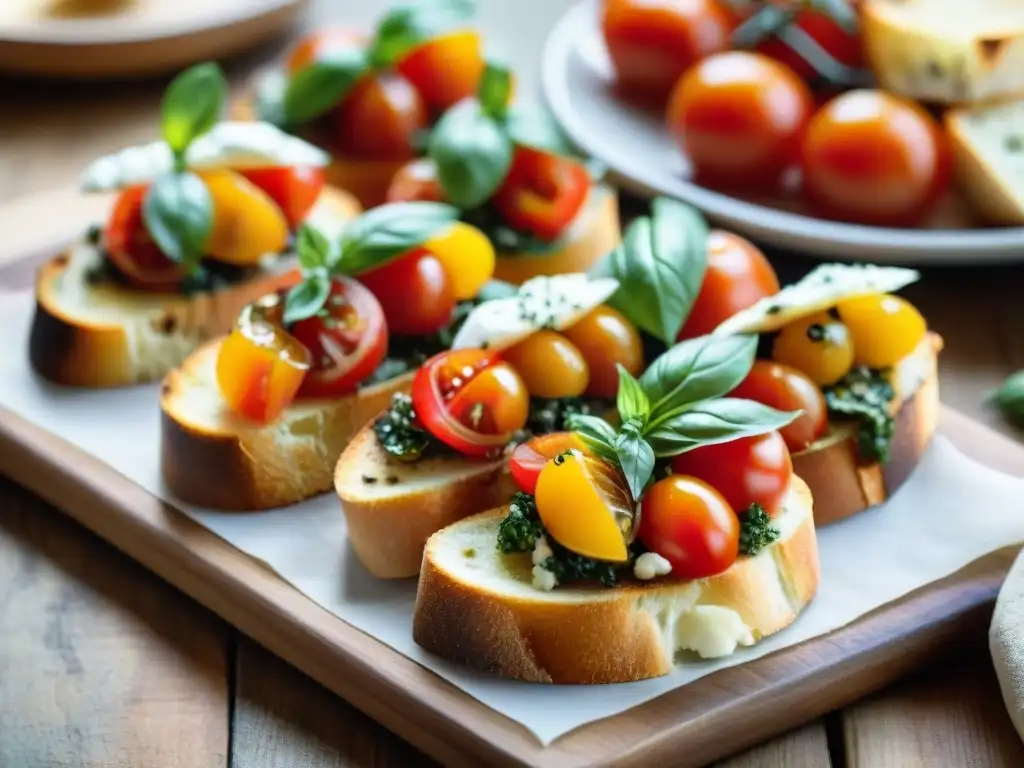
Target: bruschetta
202,224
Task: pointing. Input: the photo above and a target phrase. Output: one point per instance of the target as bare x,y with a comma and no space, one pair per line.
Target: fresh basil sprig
713,422
308,297
191,106
409,24
388,231
635,456
315,89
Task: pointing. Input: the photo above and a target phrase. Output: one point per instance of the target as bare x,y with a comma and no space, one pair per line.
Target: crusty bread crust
985,190
597,634
71,348
388,531
842,483
212,458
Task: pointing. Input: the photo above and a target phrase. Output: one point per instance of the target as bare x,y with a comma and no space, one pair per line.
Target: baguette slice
110,335
393,507
841,482
480,608
212,458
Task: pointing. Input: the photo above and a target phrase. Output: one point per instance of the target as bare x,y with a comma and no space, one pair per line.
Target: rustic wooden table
102,663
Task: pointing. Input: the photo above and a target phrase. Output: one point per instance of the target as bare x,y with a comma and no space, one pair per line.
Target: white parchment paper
951,512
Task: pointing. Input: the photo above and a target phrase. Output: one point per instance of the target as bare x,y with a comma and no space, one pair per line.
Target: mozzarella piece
822,289
543,579
541,551
230,145
650,565
557,302
711,631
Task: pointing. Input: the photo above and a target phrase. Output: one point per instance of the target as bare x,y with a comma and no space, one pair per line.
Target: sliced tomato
529,458
132,251
542,193
295,190
346,341
470,400
415,291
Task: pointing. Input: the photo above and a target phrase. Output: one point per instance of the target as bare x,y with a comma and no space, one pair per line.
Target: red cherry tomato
691,525
416,182
652,42
739,118
379,118
346,344
295,190
320,45
415,292
542,193
744,471
873,158
787,389
738,275
529,458
471,401
132,251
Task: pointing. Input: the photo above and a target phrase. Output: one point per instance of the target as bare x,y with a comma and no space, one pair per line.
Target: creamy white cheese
544,579
711,631
541,551
228,145
555,302
651,565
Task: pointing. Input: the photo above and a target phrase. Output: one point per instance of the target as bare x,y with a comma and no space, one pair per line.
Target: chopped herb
369,479
92,234
756,530
865,394
774,309
521,528
398,434
549,415
568,566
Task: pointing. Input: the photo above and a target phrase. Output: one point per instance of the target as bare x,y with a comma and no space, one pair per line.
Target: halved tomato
132,251
529,458
542,193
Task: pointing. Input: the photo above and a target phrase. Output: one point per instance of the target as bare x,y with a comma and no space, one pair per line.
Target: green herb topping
399,435
521,528
756,530
553,414
1009,398
865,395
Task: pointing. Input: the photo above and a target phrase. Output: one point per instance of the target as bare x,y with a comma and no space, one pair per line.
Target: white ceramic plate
576,77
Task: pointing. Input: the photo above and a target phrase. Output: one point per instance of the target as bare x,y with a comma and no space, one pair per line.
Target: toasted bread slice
842,483
393,507
212,458
109,335
480,608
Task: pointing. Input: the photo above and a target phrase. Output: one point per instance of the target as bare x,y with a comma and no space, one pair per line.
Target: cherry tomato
529,458
415,291
738,275
416,181
787,389
884,328
132,251
550,365
747,470
347,344
542,193
260,367
652,42
691,525
379,118
446,69
739,118
320,45
471,401
819,345
247,223
467,256
606,338
295,190
874,158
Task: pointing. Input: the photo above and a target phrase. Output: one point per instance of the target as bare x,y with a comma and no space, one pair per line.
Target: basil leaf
313,248
407,25
697,369
494,90
178,214
632,402
535,128
472,153
390,230
320,86
714,422
1009,398
192,104
591,426
307,298
636,458
660,266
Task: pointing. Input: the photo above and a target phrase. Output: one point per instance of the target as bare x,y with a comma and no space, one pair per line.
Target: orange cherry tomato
542,193
446,69
652,42
606,338
738,275
260,367
346,341
470,400
529,458
874,158
739,118
247,223
551,366
295,190
415,292
379,118
691,525
129,247
884,328
787,389
416,181
321,44
747,470
819,345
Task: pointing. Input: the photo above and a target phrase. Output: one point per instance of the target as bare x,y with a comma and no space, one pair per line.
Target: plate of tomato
663,94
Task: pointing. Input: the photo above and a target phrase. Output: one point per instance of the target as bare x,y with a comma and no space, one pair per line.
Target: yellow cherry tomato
884,328
550,364
466,255
605,337
247,223
585,505
819,345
